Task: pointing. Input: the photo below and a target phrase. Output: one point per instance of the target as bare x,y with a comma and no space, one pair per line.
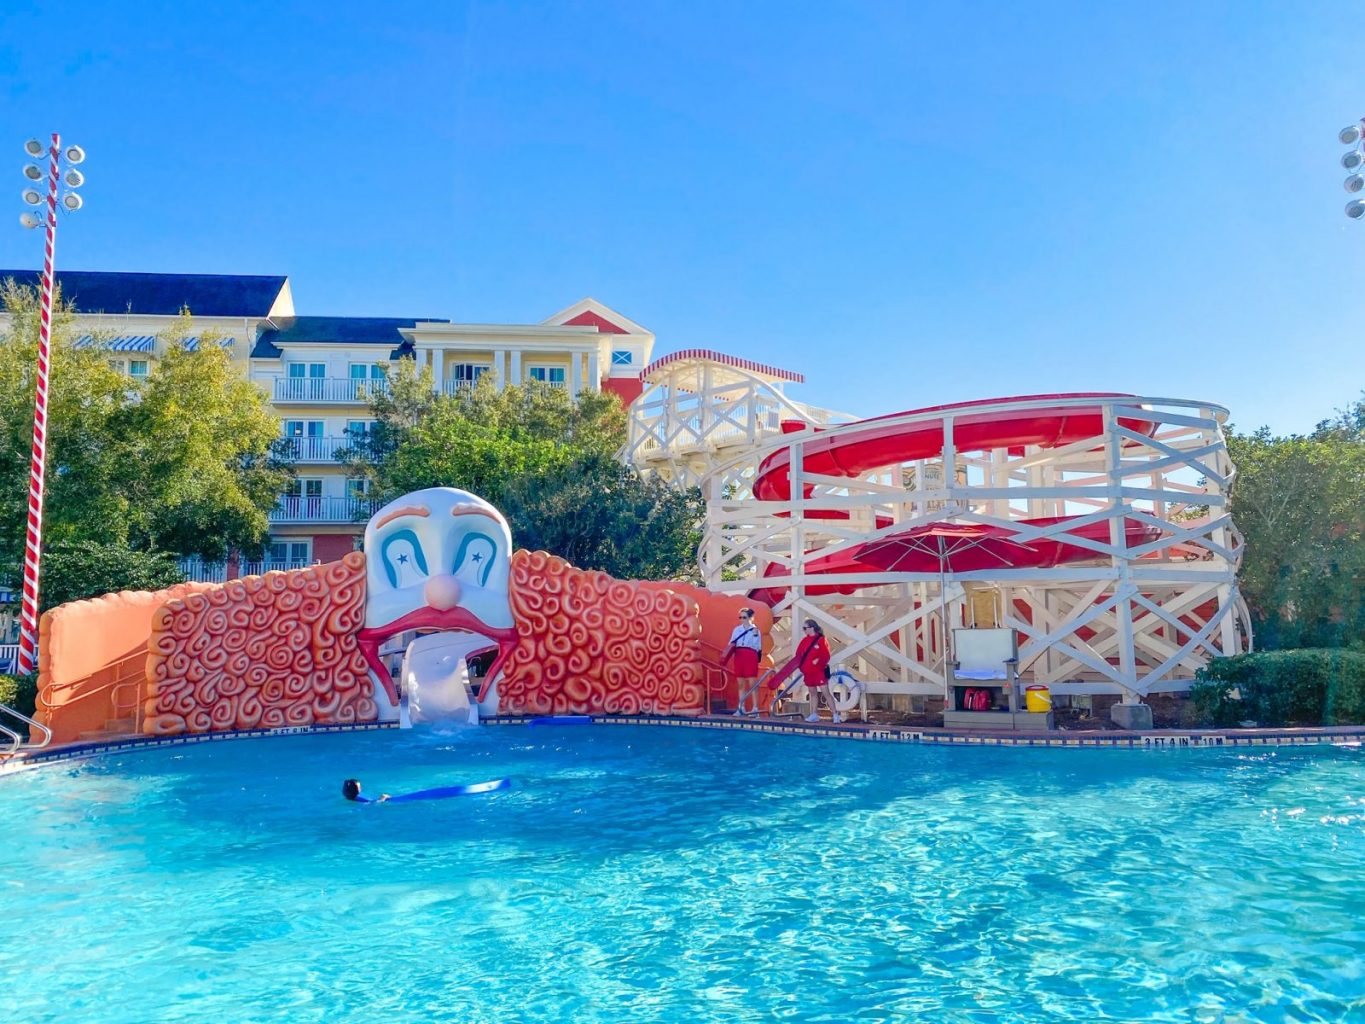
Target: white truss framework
697,411
1131,620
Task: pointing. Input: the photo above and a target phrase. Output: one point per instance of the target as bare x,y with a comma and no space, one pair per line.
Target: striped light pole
71,201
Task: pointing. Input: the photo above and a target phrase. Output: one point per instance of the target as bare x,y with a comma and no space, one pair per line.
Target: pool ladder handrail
16,742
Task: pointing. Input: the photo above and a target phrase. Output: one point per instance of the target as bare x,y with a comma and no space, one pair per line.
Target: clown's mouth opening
442,663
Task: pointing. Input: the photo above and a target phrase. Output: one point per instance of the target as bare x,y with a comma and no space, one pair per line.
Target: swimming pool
650,874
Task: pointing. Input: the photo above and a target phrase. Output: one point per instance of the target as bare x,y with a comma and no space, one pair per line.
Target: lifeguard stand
988,659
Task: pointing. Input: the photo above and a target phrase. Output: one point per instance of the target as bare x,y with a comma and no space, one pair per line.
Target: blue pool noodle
445,792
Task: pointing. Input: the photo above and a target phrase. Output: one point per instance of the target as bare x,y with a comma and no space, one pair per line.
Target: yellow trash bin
1037,698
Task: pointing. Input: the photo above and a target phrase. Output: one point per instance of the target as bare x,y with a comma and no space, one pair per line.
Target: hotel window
357,490
363,376
466,374
547,374
305,438
622,357
314,370
358,428
291,553
304,487
137,369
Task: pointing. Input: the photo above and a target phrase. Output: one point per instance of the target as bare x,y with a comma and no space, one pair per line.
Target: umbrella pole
943,618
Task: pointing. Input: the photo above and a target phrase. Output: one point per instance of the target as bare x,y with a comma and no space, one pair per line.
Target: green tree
211,462
85,458
600,514
73,572
1298,502
189,461
545,459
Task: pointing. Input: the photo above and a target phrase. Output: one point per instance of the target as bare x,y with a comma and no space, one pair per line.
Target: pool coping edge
1164,739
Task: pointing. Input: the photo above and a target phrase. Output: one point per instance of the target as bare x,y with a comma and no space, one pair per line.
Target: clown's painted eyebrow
399,513
465,511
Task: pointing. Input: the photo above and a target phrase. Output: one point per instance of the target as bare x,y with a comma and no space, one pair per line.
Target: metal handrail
121,679
135,682
16,741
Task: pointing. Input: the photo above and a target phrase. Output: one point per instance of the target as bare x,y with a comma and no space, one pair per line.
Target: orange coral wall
84,647
719,614
262,652
281,649
588,643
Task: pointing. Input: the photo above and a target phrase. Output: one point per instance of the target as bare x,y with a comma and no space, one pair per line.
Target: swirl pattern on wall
261,653
591,644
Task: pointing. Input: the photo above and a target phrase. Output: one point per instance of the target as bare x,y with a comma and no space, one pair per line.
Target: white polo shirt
747,636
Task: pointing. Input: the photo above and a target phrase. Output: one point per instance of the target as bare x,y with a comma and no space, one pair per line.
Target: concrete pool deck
1345,735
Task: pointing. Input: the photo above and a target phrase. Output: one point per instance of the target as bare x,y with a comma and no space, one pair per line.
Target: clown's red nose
442,592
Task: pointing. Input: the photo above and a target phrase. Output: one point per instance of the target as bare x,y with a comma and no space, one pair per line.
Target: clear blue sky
910,203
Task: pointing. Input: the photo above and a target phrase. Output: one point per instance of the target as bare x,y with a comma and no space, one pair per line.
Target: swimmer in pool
350,789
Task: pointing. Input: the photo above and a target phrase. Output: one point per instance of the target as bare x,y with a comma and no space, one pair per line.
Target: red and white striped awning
706,355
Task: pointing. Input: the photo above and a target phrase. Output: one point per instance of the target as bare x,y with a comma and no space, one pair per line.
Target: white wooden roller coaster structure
1095,525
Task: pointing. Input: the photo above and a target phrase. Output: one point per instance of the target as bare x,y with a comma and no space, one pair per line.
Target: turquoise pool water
638,874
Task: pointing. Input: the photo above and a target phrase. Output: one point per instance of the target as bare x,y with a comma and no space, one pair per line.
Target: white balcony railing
327,390
317,449
301,509
198,571
262,567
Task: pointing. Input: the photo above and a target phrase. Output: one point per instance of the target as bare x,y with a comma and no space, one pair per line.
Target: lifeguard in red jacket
811,660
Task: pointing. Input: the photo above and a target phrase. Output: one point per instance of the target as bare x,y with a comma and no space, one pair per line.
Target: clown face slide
437,568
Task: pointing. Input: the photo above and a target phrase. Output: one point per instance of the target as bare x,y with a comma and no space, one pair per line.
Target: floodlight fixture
35,149
1355,209
74,154
1354,160
32,196
1350,135
72,202
1354,183
33,172
28,220
74,178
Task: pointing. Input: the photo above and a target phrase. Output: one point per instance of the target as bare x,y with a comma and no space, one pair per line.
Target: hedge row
1299,687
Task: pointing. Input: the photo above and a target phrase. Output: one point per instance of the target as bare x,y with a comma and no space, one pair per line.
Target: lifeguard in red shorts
746,647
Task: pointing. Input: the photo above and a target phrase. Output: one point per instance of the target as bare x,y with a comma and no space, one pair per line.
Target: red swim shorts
746,662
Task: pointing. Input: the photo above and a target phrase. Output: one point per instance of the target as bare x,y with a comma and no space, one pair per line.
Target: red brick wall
329,547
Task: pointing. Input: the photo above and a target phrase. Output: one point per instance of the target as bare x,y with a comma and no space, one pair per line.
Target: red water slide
876,444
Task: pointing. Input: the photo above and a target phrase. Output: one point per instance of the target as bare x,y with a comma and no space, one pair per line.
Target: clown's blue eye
474,559
403,560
